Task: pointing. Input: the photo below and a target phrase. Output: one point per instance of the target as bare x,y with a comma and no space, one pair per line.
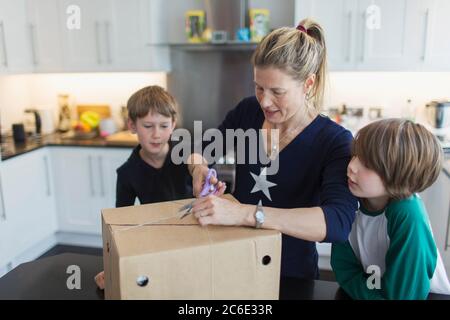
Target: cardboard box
150,253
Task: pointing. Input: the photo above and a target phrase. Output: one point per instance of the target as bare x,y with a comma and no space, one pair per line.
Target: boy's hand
100,280
199,174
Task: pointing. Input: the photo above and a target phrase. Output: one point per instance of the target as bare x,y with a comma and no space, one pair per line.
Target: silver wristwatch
259,215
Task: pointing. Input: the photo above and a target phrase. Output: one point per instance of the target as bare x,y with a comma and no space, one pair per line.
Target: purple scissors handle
209,188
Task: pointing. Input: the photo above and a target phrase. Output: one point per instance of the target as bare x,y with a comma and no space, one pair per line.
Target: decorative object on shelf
259,23
219,36
195,25
243,34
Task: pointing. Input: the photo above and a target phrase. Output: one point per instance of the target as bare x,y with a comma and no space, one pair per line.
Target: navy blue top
312,172
136,178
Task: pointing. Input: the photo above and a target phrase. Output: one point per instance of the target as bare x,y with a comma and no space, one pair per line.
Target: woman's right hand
100,280
199,175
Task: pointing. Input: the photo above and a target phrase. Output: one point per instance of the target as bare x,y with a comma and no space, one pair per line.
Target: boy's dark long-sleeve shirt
136,178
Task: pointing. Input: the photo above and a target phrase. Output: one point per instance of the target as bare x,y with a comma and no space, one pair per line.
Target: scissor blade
187,206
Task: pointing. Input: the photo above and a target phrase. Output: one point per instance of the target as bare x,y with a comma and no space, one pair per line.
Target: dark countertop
47,278
9,149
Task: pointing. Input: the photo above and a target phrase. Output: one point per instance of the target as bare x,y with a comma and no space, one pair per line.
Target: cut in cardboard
150,253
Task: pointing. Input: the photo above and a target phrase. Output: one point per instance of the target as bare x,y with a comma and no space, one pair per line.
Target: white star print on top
261,183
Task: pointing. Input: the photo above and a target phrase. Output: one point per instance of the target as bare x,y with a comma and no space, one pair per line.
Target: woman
308,199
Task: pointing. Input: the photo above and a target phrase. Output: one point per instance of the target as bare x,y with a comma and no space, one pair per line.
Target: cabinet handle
33,44
349,42
47,176
108,41
5,53
363,40
91,171
425,38
446,232
3,212
102,184
97,42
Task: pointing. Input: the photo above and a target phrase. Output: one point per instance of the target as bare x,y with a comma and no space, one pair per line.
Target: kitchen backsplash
389,90
20,92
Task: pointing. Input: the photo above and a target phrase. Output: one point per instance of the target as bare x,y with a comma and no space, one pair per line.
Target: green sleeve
412,254
350,273
410,259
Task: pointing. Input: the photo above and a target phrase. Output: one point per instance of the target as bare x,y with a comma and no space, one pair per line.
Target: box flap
162,213
157,227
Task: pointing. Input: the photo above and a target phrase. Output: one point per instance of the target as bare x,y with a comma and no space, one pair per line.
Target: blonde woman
308,199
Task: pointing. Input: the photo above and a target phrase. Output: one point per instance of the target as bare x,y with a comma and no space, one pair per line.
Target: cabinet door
111,161
382,35
437,39
29,200
135,34
338,19
45,35
78,188
437,202
86,48
4,228
15,56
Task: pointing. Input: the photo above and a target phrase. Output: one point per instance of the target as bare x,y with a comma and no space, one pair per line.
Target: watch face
259,216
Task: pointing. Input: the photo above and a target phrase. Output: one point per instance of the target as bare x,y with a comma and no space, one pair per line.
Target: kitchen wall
41,90
390,90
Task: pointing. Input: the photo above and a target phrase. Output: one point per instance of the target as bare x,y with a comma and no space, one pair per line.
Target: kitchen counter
47,278
9,149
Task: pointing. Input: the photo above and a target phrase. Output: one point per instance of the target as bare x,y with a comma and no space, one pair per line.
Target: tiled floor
72,249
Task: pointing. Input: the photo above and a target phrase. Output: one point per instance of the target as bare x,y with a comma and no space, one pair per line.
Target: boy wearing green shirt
391,237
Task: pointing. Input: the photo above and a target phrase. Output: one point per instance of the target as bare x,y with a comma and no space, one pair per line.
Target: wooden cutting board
125,137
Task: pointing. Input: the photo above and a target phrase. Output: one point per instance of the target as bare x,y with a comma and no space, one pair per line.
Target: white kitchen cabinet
382,35
383,31
436,56
85,179
4,226
437,202
364,34
29,202
15,51
44,34
137,34
86,48
338,19
115,35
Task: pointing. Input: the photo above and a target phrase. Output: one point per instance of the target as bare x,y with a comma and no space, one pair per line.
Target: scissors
207,189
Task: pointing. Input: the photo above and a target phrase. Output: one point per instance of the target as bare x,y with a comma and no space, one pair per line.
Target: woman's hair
299,52
406,156
151,99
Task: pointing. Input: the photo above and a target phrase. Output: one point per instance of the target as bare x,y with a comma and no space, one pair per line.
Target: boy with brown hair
149,174
393,159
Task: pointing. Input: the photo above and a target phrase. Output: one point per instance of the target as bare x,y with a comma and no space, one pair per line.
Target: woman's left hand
219,211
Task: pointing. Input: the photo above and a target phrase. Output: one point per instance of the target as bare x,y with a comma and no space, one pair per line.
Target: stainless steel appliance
438,114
